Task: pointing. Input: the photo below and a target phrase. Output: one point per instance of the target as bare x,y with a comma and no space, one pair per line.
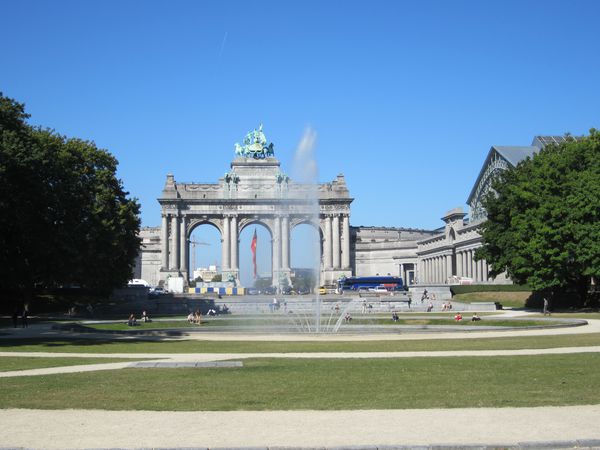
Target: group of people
132,321
195,317
447,306
458,317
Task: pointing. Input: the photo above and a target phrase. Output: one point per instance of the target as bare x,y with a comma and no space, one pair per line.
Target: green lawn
269,384
286,320
508,299
109,345
10,363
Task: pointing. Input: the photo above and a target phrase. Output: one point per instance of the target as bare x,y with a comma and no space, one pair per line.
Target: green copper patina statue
255,145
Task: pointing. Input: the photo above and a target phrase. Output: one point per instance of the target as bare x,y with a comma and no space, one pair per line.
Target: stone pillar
276,249
234,245
459,264
183,248
345,242
336,241
448,267
485,270
469,261
174,243
285,243
164,241
429,270
327,244
480,270
402,273
443,264
225,249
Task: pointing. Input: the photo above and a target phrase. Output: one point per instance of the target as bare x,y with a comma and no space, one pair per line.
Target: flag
253,248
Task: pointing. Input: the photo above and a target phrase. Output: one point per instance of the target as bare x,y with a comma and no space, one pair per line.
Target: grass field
269,384
507,299
107,345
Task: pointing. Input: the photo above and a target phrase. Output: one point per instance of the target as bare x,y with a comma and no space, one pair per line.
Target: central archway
264,254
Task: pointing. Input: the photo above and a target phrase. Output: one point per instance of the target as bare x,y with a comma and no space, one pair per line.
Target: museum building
255,190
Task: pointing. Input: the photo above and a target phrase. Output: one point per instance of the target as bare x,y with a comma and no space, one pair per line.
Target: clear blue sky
406,98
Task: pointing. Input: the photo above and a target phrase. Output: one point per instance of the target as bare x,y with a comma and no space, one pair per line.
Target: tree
543,218
67,217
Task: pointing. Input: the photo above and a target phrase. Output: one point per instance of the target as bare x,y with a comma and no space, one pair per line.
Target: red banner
253,248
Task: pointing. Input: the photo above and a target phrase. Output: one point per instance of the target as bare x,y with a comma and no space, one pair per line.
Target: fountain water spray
305,171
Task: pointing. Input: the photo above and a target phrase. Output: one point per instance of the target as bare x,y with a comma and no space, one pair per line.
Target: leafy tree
543,223
263,283
218,277
67,217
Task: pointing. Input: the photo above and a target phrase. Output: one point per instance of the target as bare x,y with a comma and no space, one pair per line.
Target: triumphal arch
255,190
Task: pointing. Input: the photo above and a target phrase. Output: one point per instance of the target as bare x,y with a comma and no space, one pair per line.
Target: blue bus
358,283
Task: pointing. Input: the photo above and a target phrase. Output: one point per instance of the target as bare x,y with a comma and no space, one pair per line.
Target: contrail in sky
223,45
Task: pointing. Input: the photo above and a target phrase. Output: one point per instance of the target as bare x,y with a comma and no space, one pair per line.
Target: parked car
322,290
379,290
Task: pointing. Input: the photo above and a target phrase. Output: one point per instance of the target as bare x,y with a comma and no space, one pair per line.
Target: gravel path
313,429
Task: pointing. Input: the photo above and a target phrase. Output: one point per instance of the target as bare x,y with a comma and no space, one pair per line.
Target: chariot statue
255,145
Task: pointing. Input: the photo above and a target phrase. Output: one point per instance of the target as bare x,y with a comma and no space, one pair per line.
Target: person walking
545,310
24,316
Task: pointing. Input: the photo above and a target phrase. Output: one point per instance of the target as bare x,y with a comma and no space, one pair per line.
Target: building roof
515,154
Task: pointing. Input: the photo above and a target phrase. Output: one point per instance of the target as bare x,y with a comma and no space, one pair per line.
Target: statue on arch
255,145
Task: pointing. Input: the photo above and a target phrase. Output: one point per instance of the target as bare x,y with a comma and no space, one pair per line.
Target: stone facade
257,191
449,256
387,251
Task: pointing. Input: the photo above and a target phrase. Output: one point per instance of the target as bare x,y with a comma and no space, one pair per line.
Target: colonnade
462,263
175,251
336,245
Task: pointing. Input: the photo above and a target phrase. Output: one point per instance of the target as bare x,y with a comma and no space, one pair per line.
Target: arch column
164,240
336,241
174,260
448,268
234,245
276,250
225,248
327,244
285,243
345,242
183,248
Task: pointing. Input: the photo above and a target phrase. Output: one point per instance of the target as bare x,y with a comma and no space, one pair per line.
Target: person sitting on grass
145,317
348,317
198,317
395,317
458,317
190,318
132,320
475,317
